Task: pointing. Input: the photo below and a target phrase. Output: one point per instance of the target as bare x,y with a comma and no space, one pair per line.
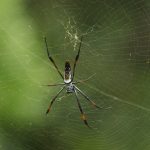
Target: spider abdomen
67,73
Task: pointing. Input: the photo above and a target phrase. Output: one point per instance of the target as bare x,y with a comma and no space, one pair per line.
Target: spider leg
87,98
54,98
54,84
81,81
83,117
51,59
77,57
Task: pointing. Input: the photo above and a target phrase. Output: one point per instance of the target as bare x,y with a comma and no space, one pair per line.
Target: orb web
115,48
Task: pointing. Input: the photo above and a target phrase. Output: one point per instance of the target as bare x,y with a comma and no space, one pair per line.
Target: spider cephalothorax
69,84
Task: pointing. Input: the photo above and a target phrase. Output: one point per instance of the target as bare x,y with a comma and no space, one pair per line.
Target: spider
69,83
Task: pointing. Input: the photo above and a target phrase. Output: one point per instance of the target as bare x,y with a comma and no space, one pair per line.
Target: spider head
67,73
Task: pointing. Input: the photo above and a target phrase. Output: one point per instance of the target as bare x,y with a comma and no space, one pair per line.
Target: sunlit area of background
115,47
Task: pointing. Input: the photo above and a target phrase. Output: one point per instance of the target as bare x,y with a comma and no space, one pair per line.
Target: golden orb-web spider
69,84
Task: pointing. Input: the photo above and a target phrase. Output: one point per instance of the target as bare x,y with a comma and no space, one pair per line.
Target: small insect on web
69,84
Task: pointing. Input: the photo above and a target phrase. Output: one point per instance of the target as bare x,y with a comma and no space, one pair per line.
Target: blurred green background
116,46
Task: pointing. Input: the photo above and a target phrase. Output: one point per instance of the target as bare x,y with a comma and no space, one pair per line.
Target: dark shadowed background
116,48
